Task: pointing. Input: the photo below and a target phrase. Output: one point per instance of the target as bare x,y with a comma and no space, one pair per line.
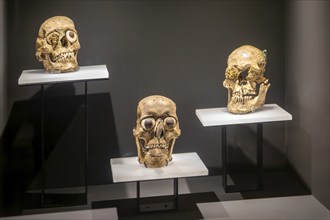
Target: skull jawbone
63,67
246,107
151,161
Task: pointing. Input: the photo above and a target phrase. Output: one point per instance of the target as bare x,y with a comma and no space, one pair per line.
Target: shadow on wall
299,140
242,148
242,155
20,144
280,180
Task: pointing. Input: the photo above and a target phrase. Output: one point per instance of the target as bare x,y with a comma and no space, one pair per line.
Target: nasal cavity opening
64,42
160,133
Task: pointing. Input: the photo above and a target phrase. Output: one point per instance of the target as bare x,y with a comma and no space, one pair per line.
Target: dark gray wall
3,94
174,48
307,93
3,91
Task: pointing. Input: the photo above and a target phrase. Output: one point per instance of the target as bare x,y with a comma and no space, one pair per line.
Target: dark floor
191,191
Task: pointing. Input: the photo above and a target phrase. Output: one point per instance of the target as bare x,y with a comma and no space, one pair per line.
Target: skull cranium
157,128
245,81
57,45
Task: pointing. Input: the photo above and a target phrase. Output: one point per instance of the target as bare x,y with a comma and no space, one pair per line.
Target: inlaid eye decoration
148,124
71,36
169,123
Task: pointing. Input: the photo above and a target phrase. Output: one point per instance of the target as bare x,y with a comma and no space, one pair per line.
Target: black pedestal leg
43,150
86,140
138,195
176,193
259,154
158,206
259,160
224,158
43,168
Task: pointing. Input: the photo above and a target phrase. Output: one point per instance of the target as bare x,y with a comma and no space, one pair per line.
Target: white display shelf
221,116
85,73
128,169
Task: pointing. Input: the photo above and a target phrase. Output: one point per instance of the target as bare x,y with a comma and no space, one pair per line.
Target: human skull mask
157,128
245,81
57,45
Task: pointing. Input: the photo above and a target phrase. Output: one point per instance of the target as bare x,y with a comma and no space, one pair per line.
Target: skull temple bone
245,81
57,45
157,128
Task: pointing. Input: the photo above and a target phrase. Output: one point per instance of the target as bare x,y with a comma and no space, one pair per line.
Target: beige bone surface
156,130
57,45
245,81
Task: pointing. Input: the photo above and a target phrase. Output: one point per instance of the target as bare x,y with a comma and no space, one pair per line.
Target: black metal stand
227,188
43,168
159,206
86,140
56,200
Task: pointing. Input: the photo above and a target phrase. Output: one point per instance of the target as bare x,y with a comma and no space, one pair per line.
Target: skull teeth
63,57
152,146
242,99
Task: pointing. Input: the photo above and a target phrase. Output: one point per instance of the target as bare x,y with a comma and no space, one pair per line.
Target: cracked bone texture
57,45
244,79
157,128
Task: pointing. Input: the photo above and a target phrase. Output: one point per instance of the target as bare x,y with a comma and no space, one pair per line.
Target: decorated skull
157,128
245,81
57,45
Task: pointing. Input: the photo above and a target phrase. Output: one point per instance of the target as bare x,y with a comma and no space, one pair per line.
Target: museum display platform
42,78
84,74
183,165
221,117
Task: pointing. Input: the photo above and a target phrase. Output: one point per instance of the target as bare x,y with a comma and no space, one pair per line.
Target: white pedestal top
128,169
221,116
85,73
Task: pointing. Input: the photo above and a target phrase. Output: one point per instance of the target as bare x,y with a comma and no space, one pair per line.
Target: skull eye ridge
71,36
169,123
148,124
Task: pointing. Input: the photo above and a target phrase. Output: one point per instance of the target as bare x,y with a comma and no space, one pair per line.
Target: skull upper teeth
152,146
240,98
63,57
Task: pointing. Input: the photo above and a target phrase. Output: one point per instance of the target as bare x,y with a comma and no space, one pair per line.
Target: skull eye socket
71,36
169,123
148,124
53,38
244,74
